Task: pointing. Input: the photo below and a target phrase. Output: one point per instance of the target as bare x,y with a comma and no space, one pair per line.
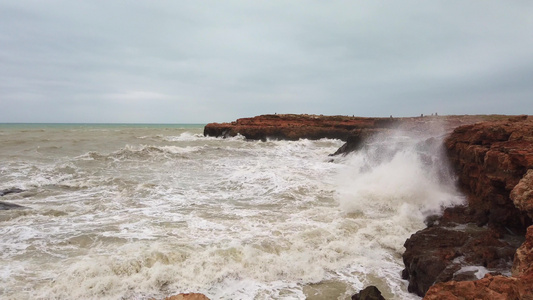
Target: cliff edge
483,249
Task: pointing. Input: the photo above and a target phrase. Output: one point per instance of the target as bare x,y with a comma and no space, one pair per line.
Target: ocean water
141,211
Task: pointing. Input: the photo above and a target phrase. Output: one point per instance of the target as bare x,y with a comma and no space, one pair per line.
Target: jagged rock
493,161
438,254
490,287
522,193
368,293
523,260
490,159
519,286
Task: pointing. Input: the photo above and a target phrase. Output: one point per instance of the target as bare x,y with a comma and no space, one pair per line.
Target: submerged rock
8,206
368,293
10,191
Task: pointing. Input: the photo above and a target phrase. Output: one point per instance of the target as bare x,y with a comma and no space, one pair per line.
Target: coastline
491,155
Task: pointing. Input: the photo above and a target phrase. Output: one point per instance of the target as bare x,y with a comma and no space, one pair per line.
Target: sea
145,211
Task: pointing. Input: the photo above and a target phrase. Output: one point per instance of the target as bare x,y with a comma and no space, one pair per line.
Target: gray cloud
202,61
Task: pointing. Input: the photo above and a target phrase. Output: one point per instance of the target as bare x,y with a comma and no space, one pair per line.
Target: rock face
450,252
493,162
491,159
519,286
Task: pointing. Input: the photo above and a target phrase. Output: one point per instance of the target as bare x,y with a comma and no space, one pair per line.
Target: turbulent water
135,211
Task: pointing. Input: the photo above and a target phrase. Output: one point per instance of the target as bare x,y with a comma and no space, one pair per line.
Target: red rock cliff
491,159
294,127
494,162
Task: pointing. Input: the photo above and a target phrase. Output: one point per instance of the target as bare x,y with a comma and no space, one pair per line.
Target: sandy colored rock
522,193
523,259
188,296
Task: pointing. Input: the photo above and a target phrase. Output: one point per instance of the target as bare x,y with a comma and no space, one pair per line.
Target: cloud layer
203,61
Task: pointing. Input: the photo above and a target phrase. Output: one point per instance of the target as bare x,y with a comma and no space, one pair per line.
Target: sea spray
396,172
396,180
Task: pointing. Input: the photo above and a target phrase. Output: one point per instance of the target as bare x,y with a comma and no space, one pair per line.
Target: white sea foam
123,217
389,177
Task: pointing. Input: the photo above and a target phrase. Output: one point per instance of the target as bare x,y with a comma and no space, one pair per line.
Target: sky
111,61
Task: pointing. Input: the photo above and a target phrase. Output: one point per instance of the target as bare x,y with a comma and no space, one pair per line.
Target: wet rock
490,287
369,293
8,206
10,191
493,162
439,254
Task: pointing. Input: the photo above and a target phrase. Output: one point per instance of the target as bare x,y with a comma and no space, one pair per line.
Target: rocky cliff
493,162
294,127
346,128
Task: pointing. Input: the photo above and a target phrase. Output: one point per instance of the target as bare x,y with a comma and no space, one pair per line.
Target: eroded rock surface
518,286
493,162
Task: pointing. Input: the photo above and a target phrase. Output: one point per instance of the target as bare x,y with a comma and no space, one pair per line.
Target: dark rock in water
439,254
10,191
354,142
368,293
518,286
7,206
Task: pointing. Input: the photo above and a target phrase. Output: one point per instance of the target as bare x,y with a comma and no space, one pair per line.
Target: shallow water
139,211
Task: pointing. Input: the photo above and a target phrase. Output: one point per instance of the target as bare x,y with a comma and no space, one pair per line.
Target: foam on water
130,217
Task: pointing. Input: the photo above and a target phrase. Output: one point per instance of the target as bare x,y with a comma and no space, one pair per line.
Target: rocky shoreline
483,249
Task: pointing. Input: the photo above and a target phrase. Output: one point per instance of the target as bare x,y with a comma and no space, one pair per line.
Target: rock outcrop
493,162
294,127
368,293
518,286
351,129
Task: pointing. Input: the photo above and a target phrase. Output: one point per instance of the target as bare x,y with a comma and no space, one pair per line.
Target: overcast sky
206,61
